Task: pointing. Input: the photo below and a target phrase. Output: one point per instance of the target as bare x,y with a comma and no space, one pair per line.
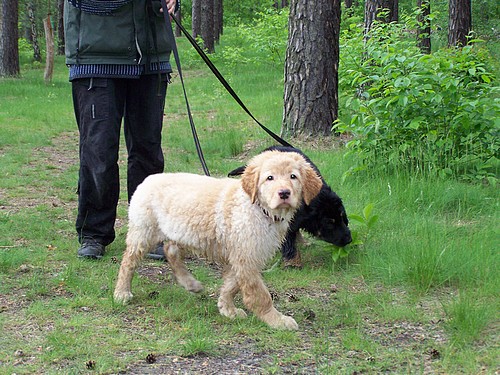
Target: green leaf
372,221
343,252
367,211
415,123
357,218
485,78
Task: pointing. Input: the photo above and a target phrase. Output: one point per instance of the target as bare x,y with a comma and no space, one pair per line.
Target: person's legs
143,123
99,107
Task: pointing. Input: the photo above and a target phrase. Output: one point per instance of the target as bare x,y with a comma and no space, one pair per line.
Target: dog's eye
270,178
293,177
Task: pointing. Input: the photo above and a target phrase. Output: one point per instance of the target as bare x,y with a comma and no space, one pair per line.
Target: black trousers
100,105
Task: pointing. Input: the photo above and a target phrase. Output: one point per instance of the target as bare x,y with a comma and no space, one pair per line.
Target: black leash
178,62
226,84
216,72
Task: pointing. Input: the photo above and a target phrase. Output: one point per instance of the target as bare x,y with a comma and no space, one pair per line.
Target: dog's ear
250,181
237,172
311,184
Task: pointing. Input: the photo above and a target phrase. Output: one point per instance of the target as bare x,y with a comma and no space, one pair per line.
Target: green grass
420,295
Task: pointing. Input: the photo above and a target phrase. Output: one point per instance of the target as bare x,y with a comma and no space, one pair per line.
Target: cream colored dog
239,223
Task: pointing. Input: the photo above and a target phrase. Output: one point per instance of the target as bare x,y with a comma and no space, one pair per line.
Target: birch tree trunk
30,8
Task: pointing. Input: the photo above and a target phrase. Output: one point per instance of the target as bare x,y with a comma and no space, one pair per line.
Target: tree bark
30,9
392,6
311,68
372,8
9,50
196,18
60,27
178,16
424,26
49,41
218,19
460,22
207,25
280,4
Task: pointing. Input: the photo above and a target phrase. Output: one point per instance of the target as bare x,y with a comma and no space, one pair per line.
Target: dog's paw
189,283
292,263
232,313
283,322
287,322
239,313
122,297
194,286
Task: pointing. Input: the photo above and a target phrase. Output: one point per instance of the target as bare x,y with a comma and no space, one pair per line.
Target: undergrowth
430,114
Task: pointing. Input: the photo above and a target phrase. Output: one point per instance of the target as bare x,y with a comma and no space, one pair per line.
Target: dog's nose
284,193
348,238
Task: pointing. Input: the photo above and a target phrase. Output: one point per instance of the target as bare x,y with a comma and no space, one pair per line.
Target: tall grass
433,233
468,317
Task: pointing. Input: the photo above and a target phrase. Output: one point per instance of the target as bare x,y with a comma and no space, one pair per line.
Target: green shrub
431,114
26,58
367,220
267,35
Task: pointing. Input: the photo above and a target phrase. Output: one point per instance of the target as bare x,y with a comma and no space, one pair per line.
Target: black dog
325,218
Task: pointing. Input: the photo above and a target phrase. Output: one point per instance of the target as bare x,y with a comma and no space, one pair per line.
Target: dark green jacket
124,37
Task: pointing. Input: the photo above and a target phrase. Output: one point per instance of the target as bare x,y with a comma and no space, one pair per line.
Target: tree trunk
207,25
30,9
178,16
424,26
392,7
280,4
60,27
9,50
49,41
460,22
372,8
218,19
196,18
311,68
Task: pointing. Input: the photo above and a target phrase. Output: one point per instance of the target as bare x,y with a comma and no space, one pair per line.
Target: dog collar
273,218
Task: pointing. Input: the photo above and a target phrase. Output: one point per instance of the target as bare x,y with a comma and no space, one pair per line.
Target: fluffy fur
324,217
239,223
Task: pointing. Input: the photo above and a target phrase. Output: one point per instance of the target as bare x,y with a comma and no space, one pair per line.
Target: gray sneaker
157,253
91,249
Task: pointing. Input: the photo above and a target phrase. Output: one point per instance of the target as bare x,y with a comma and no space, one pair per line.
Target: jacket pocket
107,36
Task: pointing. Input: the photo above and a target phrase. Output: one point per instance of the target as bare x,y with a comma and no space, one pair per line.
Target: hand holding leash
171,6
